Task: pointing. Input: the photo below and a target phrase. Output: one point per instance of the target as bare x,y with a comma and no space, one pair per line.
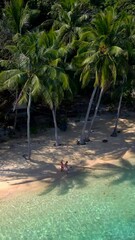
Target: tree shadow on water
65,182
125,172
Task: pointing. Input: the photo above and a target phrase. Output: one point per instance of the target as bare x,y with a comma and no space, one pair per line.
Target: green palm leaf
115,50
64,80
35,86
85,76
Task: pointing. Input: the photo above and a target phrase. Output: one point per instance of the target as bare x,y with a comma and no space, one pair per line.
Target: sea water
86,206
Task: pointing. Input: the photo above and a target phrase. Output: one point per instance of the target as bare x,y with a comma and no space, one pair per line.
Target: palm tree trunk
16,112
55,125
96,97
28,125
114,133
95,113
82,138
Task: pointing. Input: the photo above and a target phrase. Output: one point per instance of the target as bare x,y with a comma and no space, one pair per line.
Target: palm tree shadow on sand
50,175
125,172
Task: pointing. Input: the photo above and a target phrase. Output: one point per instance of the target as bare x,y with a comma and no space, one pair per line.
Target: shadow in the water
127,173
117,173
65,182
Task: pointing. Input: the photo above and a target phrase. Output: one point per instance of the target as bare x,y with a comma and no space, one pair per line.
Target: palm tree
127,42
82,138
53,93
16,18
127,6
54,78
24,74
17,15
70,16
38,58
99,51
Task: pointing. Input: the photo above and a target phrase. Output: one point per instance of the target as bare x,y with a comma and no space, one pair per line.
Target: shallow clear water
88,206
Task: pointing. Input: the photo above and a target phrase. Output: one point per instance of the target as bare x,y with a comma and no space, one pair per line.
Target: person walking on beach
62,166
66,167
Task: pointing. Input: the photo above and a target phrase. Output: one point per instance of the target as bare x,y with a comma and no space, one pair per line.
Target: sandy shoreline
18,174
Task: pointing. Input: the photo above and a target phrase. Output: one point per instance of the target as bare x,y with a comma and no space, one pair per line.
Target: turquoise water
88,206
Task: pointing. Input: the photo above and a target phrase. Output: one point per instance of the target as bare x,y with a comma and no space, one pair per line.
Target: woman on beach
62,166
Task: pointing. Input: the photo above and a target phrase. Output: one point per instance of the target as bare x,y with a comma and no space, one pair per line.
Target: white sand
18,174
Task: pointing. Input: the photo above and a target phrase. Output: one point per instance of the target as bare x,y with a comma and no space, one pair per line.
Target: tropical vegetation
51,51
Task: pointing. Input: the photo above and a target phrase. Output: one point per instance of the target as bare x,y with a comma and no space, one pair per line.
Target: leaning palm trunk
16,112
95,113
114,133
28,125
15,120
97,96
82,138
55,125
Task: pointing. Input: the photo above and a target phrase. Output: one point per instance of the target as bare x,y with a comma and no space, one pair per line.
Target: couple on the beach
64,167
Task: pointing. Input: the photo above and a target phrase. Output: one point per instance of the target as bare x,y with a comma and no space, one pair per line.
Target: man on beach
64,167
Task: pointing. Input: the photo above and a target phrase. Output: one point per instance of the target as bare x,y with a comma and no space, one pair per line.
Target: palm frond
91,59
23,98
64,80
85,76
105,73
113,72
51,73
35,85
7,74
4,63
12,81
117,51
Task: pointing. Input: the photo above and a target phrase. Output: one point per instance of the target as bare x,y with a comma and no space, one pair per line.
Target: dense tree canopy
96,44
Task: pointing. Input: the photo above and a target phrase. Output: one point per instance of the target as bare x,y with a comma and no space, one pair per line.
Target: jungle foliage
53,50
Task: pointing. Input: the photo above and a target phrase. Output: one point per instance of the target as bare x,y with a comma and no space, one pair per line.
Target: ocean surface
97,205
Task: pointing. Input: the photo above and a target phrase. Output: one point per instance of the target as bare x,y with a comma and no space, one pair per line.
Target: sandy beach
18,175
